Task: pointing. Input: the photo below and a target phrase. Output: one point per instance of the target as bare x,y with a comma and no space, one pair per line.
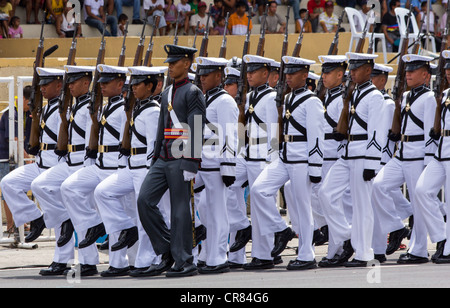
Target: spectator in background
121,24
136,4
185,12
315,8
350,3
31,6
328,20
273,19
261,6
54,8
194,6
65,25
390,27
238,21
94,16
432,22
5,16
303,19
219,29
295,5
170,15
217,10
155,8
202,18
15,30
229,6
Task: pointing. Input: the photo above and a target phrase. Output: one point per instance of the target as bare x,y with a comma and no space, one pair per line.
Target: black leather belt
46,146
136,151
412,138
292,138
445,132
108,148
75,148
358,137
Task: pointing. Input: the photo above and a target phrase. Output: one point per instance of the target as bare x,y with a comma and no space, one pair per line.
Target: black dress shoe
127,238
234,265
36,228
200,263
200,233
356,263
395,240
298,265
188,269
439,250
115,272
157,269
85,270
66,233
257,264
92,235
138,272
54,269
243,236
217,269
320,236
380,258
277,260
281,240
443,259
408,258
327,262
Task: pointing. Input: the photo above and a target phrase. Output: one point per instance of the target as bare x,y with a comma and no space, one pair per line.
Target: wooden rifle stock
298,45
96,97
223,48
149,53
36,95
262,37
66,101
122,52
204,46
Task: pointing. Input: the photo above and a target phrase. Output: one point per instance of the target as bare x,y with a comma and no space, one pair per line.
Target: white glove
188,175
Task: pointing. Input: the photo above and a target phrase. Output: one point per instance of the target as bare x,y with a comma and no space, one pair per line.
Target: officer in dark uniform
176,160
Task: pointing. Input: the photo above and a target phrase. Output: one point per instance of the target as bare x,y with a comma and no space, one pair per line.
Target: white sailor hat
232,75
111,72
47,75
446,56
331,62
275,66
379,69
413,62
313,76
206,65
191,76
75,72
256,62
356,59
235,62
142,73
294,64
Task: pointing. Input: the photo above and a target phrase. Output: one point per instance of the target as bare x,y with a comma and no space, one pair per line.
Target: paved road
20,268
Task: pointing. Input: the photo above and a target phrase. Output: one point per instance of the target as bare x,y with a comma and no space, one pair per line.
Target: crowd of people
192,16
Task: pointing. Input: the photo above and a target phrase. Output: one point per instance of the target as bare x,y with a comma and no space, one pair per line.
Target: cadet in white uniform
434,176
46,187
17,183
300,161
77,190
415,150
217,168
357,166
122,223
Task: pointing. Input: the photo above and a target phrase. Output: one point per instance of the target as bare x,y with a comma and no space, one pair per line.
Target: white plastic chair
401,14
356,35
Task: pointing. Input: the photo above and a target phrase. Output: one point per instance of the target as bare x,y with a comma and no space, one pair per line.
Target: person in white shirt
201,17
152,9
94,16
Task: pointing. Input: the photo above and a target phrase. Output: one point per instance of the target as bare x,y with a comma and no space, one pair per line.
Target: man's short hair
27,92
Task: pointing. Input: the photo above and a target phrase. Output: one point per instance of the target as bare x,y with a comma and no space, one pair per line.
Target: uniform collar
364,85
418,89
180,83
260,88
335,90
53,101
300,90
115,99
83,97
213,91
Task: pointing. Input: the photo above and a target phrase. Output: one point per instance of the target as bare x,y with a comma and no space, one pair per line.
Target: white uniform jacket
443,150
111,124
143,128
303,131
388,114
50,122
220,133
262,120
332,106
79,130
418,111
366,133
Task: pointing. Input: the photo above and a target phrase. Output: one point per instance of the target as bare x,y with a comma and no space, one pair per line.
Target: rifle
204,46
122,52
333,50
96,97
400,82
342,125
242,84
66,101
371,41
149,52
195,34
262,37
417,41
281,86
175,38
441,82
298,45
223,48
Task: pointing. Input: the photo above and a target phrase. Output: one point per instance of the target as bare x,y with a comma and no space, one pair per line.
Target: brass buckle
70,148
404,138
350,138
287,138
44,146
102,148
133,151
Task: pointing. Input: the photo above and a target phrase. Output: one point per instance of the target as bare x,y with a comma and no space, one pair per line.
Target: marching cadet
379,78
414,150
176,160
434,176
357,167
262,129
217,168
121,223
15,185
236,206
77,189
274,75
300,162
46,187
311,81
